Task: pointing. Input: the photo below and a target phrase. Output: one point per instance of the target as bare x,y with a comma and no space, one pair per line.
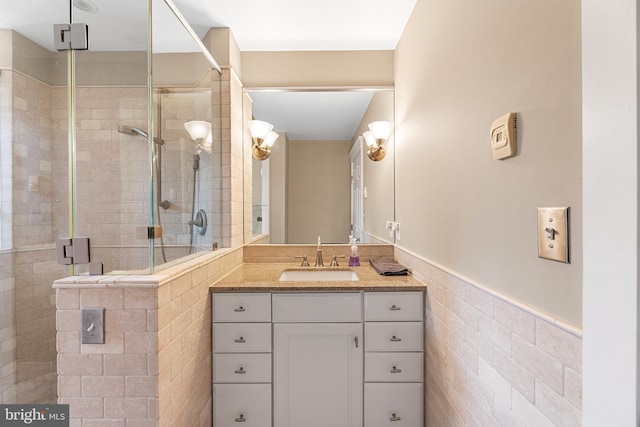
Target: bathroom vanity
317,354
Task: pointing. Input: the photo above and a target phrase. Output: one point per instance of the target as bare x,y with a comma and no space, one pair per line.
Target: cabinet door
317,378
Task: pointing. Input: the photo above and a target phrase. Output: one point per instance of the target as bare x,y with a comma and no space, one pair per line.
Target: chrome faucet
319,262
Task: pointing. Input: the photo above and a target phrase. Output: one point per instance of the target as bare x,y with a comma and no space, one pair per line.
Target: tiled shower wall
112,173
27,260
493,362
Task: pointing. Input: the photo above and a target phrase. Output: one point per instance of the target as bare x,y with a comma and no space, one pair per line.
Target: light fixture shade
380,129
270,139
198,129
209,139
370,140
259,129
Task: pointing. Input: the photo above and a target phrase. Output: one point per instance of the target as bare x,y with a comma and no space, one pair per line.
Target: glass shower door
114,145
33,196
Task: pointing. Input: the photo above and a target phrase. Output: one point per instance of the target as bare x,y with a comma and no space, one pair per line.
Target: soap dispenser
354,259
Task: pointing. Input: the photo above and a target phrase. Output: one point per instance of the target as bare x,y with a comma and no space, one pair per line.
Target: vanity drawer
393,405
242,368
241,307
393,306
393,367
241,337
393,336
317,307
246,405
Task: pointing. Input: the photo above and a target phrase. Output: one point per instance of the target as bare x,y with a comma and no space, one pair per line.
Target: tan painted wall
459,208
317,68
319,185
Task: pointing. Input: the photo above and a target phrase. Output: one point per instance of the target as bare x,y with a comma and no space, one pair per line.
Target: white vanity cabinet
241,359
318,359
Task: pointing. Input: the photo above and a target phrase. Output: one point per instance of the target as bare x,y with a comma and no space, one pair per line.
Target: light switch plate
553,234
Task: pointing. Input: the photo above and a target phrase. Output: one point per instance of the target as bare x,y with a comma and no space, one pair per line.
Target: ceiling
258,25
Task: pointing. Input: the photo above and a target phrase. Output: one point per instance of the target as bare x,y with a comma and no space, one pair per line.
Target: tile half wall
493,361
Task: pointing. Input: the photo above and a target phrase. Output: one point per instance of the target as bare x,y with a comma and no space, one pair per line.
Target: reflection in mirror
319,180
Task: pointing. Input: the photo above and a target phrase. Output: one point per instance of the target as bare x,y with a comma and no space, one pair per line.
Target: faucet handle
305,261
334,260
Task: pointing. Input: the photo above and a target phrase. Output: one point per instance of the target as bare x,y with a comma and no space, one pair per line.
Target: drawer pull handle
395,339
240,371
241,419
239,309
240,340
394,417
395,308
395,370
357,341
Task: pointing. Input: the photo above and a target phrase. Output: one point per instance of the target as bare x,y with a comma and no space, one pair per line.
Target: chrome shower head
130,130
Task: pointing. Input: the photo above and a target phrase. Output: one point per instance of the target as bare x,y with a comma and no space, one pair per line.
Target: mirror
318,180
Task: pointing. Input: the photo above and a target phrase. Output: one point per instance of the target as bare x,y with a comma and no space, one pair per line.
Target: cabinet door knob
239,309
395,370
241,419
395,308
395,339
240,340
394,417
240,370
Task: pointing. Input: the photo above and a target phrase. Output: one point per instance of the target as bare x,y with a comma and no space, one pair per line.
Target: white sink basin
312,275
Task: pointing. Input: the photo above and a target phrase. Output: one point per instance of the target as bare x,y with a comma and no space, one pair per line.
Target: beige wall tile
141,386
495,333
500,387
68,342
128,407
125,364
79,364
125,320
68,320
113,344
564,346
140,342
573,387
557,409
103,423
144,299
84,407
480,300
70,385
521,379
67,299
527,413
515,319
539,363
102,386
108,298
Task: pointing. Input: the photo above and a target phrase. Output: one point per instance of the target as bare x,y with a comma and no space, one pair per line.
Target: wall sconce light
200,130
263,138
375,137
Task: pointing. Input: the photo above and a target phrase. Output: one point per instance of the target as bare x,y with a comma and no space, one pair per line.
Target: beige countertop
261,277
